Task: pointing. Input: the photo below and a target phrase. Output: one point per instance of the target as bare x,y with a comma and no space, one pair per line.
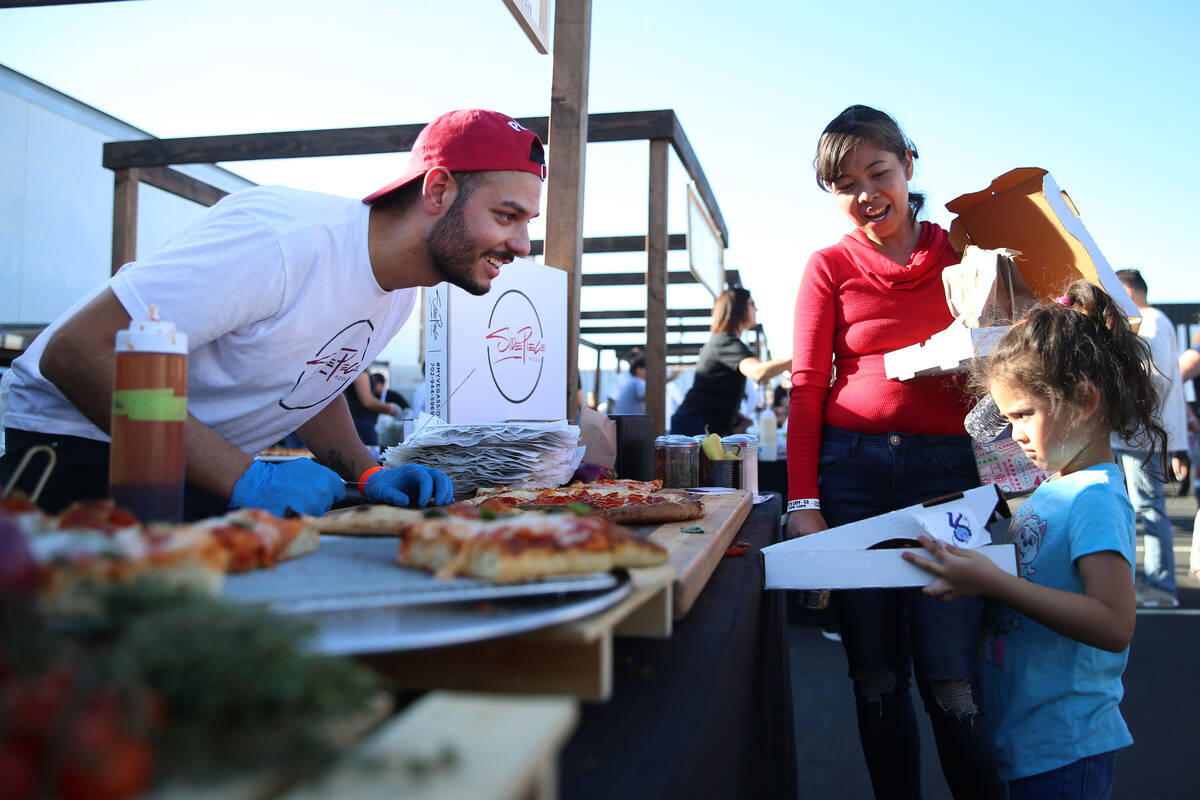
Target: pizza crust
367,520
678,509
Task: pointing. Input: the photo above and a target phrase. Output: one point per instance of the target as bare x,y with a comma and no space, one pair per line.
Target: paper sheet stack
492,454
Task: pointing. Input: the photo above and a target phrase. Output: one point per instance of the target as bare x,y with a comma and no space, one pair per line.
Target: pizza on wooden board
620,500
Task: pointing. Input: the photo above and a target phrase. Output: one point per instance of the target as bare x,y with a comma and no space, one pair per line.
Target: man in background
1143,478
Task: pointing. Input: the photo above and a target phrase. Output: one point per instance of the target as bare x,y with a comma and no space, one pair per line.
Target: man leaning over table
285,296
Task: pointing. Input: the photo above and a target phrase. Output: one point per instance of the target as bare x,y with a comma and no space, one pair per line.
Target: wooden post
125,216
656,288
596,378
568,134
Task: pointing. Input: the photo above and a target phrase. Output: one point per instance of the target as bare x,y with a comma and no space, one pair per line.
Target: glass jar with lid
746,446
677,461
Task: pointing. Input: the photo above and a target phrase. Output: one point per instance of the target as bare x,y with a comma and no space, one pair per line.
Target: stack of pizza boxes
1022,241
495,368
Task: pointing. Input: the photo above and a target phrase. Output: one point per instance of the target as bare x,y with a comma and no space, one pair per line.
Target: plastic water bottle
767,434
149,410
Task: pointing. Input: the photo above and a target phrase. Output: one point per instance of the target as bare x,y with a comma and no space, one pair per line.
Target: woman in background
724,364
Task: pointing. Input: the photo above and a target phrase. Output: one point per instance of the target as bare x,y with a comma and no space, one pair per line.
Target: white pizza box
950,350
500,356
1023,210
840,558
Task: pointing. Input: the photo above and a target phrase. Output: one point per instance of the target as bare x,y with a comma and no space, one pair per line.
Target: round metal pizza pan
359,601
419,627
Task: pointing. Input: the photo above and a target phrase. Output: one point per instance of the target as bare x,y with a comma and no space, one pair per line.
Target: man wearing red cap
285,296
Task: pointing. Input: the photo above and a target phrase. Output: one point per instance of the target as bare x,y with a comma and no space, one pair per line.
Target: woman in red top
860,444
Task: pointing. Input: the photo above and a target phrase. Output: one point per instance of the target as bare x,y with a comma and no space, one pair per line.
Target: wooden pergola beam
636,313
621,126
639,278
616,244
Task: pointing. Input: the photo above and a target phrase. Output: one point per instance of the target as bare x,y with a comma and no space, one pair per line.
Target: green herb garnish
578,509
434,513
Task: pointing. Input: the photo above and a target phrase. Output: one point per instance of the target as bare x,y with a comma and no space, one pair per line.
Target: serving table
576,657
687,676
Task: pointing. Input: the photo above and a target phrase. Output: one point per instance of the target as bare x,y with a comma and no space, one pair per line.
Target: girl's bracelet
803,505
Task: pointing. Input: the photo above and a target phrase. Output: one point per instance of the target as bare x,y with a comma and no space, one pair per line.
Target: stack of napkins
492,454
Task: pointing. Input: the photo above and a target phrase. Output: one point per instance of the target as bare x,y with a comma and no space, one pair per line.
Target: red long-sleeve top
854,305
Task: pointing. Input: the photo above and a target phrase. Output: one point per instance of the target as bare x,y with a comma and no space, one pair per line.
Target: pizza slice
521,546
255,538
95,543
624,501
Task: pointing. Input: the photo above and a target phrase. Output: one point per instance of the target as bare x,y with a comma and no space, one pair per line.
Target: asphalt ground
1161,705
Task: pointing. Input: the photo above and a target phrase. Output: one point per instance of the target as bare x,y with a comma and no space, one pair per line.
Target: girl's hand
958,572
802,523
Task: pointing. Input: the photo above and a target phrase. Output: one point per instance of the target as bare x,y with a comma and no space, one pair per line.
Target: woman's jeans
887,633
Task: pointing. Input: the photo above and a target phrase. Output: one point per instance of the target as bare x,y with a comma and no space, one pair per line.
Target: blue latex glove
301,484
409,485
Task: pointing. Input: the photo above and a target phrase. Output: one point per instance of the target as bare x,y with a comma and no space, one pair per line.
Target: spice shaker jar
746,446
677,461
149,410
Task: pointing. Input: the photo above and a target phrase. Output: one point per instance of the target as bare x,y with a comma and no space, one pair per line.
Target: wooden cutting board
694,556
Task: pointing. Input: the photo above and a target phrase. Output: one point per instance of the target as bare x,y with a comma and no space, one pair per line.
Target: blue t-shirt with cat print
1052,700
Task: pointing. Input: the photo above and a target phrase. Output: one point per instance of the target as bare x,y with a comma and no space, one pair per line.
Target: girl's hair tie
1063,300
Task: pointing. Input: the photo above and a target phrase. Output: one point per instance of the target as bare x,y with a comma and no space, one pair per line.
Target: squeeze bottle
767,436
149,409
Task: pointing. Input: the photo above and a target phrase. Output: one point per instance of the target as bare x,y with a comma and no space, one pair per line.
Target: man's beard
453,254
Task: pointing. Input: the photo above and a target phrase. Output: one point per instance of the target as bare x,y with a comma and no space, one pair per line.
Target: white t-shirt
1159,333
274,289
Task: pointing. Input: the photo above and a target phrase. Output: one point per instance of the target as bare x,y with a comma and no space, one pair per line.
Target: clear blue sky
1100,93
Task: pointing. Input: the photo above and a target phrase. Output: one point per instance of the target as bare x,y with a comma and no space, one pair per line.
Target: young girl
1056,641
860,444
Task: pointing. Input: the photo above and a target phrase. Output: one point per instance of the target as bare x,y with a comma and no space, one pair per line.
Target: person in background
780,397
631,399
860,444
419,403
1145,482
625,377
1189,370
1057,638
724,364
285,296
379,387
366,406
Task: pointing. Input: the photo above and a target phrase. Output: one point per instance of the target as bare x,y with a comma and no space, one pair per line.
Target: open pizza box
1022,241
847,557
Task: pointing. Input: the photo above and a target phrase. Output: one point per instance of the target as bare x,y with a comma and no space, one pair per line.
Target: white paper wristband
804,505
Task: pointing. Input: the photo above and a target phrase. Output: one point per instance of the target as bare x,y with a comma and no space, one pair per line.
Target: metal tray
361,601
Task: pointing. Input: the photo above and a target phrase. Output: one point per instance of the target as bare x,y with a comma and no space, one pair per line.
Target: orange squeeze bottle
149,410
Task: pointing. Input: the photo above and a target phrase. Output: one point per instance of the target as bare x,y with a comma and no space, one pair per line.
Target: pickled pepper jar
149,410
746,446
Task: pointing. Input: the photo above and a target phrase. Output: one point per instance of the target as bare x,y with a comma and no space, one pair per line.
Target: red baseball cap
471,140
